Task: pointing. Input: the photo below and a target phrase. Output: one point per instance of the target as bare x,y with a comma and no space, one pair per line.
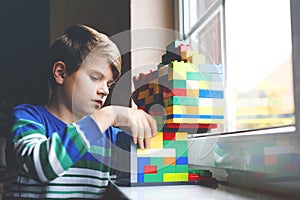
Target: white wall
152,26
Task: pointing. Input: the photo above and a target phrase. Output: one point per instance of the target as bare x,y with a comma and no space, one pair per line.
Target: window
252,41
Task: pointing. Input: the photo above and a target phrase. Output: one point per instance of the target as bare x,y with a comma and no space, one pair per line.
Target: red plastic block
150,169
169,135
194,126
193,177
167,93
179,92
196,177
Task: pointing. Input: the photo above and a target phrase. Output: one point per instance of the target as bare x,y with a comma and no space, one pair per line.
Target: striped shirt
58,160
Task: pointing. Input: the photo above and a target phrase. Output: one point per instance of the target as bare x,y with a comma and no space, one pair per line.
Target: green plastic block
157,161
200,172
198,76
188,101
182,101
180,146
167,169
153,177
182,168
177,84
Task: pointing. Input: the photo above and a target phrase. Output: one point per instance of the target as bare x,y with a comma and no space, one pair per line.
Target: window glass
259,66
255,49
195,9
207,40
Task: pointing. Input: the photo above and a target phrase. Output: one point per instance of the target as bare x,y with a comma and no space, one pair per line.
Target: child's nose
102,88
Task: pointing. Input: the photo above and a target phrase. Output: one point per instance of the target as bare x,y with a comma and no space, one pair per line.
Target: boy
63,148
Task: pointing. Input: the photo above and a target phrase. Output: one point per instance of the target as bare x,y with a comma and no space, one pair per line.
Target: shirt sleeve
45,156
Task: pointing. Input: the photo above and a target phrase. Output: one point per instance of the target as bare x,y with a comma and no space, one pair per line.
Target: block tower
184,95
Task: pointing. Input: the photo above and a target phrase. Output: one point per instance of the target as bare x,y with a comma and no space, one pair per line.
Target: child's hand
136,91
141,124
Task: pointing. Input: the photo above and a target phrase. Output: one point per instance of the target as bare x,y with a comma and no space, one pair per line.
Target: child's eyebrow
93,71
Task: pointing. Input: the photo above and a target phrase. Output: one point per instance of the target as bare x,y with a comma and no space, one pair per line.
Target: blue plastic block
140,177
211,94
141,162
181,160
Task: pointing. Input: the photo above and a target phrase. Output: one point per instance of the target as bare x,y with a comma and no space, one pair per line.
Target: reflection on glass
207,40
259,66
196,8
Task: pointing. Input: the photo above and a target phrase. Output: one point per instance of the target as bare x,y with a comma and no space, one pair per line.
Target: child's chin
98,107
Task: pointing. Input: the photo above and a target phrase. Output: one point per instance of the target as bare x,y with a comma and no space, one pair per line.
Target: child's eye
94,78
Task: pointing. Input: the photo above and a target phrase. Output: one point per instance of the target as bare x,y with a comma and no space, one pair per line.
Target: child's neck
61,111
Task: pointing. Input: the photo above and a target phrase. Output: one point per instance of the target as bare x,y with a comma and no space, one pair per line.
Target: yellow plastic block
192,110
177,75
157,141
143,151
192,92
174,120
204,85
212,121
181,136
176,109
193,121
196,110
184,67
211,110
190,120
172,177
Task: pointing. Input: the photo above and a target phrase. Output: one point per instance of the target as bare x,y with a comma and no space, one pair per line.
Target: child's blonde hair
77,43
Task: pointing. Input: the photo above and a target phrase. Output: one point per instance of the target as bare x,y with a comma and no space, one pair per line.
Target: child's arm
141,124
44,154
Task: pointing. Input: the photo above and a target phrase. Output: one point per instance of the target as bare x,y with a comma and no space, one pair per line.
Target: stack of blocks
184,95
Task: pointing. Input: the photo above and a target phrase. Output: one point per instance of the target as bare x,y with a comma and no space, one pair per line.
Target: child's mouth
98,104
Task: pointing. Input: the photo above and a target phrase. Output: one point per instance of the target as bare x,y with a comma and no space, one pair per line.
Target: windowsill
189,192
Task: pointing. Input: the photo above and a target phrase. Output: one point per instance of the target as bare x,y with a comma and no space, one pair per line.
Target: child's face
90,86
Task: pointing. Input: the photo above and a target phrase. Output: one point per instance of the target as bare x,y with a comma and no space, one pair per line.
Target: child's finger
147,133
141,142
134,133
152,124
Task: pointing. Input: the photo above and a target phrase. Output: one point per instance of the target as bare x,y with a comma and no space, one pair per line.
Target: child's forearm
105,117
141,124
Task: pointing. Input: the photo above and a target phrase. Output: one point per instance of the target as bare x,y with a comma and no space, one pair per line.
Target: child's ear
59,72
